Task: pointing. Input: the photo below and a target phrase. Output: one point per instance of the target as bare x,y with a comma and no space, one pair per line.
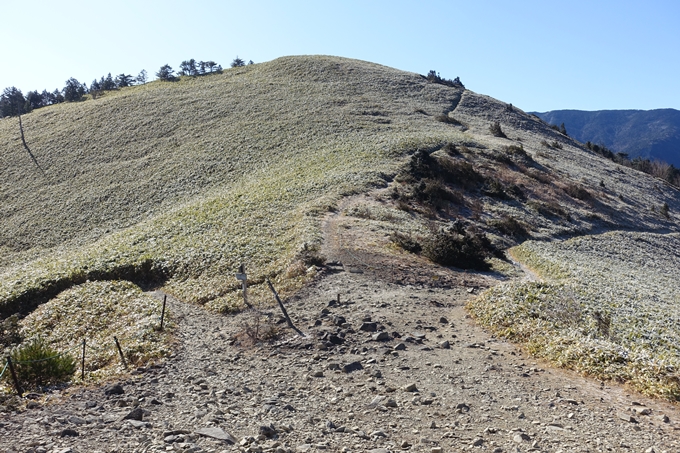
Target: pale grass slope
180,182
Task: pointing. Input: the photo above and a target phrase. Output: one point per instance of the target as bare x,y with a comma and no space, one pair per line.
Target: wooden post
283,309
82,363
243,277
165,298
14,376
338,298
120,351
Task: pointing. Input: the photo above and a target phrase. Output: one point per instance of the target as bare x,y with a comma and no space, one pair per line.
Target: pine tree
142,77
166,73
237,62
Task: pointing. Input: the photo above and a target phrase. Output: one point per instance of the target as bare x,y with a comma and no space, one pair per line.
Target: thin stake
82,363
120,351
338,298
244,285
165,298
283,309
14,376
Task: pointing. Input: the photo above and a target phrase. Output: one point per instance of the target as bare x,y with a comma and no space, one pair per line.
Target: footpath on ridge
395,365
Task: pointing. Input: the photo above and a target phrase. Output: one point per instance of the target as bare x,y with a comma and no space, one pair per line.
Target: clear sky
538,55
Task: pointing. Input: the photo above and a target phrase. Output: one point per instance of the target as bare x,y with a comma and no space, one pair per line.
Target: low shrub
445,118
496,130
450,149
549,209
434,192
457,247
510,226
37,364
578,192
494,189
460,173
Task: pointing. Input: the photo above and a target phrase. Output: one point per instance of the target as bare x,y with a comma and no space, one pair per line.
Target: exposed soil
436,383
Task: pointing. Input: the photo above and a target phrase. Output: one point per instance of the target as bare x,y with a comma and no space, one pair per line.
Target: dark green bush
37,364
460,248
494,189
445,118
436,193
578,192
549,210
460,173
496,130
510,226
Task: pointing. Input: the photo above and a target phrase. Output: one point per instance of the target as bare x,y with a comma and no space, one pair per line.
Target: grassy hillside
178,183
183,181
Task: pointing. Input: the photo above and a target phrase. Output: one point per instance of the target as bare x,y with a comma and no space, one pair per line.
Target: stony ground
396,364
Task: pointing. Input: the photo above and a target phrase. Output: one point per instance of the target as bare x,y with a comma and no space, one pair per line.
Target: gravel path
392,367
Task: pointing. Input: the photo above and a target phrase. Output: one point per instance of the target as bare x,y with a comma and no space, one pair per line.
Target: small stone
115,389
436,450
400,347
443,320
171,438
521,437
317,374
462,407
68,432
626,417
445,344
642,410
216,433
664,418
390,403
369,327
304,447
268,431
135,414
376,401
477,442
138,424
33,405
381,336
378,433
76,420
405,444
354,366
410,388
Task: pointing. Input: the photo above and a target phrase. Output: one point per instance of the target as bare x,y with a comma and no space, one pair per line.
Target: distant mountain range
649,134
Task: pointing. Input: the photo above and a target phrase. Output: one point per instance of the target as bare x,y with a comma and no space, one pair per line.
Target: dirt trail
397,365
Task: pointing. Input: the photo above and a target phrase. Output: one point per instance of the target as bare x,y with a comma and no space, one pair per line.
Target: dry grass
181,182
178,183
609,308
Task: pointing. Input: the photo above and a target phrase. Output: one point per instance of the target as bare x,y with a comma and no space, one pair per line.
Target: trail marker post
243,278
165,298
14,376
82,363
120,351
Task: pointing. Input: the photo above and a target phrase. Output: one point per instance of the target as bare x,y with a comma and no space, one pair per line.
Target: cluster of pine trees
657,168
14,103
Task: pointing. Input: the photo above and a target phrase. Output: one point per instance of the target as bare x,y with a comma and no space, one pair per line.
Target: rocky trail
390,362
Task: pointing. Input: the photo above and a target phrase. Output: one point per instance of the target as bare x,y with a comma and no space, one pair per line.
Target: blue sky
537,55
